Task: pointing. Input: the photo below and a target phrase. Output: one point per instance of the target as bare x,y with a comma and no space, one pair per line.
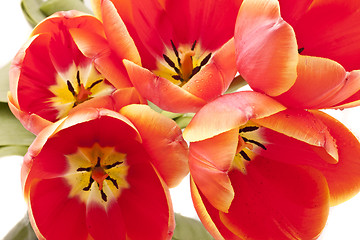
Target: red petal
343,178
321,83
117,34
146,205
329,29
161,91
162,140
210,161
215,77
266,47
278,201
57,216
228,112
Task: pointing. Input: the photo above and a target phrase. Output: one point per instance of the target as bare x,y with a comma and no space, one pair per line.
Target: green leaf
13,150
237,83
11,131
189,229
51,6
4,82
21,231
31,11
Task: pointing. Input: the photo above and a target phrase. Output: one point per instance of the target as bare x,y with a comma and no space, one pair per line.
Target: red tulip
97,174
260,171
303,53
50,76
186,48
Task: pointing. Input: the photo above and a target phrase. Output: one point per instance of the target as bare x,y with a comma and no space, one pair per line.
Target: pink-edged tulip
98,174
186,48
260,171
50,76
303,53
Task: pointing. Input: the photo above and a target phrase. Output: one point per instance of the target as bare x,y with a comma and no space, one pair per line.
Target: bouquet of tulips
122,101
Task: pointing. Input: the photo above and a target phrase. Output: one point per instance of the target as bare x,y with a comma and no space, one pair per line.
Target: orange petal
302,126
210,161
215,77
266,48
117,34
343,178
229,111
161,91
162,140
277,201
321,83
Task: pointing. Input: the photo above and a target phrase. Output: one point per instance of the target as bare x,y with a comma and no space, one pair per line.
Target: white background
343,222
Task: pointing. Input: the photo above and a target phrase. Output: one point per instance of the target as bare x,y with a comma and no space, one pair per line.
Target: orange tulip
260,171
303,53
50,76
98,174
186,48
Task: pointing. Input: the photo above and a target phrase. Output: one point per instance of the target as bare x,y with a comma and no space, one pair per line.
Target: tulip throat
248,142
75,86
97,173
180,64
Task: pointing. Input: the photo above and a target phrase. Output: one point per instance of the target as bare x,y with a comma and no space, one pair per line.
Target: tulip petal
215,77
117,34
161,91
107,63
266,48
284,201
147,198
329,29
343,178
162,139
53,210
209,215
302,126
228,112
210,161
321,83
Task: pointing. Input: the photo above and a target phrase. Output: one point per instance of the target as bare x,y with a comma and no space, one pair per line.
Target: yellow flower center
180,64
248,141
97,173
76,86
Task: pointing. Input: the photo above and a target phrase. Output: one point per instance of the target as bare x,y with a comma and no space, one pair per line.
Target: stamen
177,77
205,60
113,181
88,169
245,156
89,186
254,142
193,46
71,88
171,64
300,50
113,165
195,70
248,129
176,52
95,83
78,78
98,162
103,195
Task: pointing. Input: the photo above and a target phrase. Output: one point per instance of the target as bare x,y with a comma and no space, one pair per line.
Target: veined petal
209,215
266,48
293,11
228,112
302,126
97,48
161,91
210,161
321,83
284,201
343,178
162,139
215,77
117,34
